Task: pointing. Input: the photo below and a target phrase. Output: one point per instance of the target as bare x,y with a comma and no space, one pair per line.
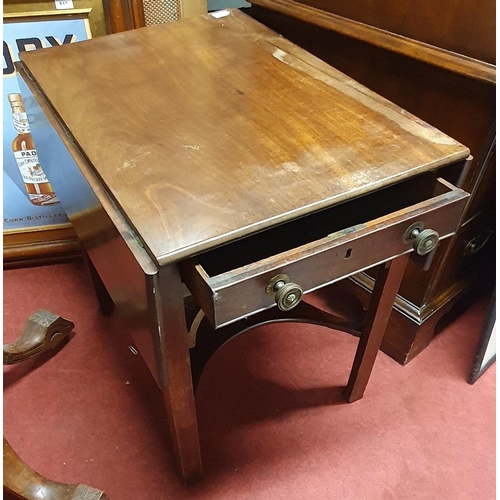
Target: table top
209,129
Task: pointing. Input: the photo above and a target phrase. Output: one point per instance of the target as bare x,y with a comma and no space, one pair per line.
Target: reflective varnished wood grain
209,129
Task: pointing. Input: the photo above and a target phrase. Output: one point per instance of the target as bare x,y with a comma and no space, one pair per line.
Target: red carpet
273,423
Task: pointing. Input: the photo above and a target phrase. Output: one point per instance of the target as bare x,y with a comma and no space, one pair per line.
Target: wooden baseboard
410,328
417,314
40,247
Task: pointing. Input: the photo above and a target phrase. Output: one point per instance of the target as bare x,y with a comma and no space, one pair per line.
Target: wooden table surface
207,129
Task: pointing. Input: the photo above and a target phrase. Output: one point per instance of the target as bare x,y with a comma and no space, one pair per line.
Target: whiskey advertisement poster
29,202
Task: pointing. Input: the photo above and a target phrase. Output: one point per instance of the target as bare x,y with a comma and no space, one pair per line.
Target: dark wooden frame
416,49
123,15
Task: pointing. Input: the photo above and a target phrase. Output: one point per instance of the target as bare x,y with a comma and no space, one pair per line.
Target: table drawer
233,281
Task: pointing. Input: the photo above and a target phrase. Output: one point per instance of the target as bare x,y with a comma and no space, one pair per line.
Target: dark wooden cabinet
436,60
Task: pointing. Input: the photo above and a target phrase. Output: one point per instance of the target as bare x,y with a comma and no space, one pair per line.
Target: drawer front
240,292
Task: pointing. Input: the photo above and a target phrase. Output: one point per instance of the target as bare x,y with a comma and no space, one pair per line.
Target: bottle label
20,122
30,168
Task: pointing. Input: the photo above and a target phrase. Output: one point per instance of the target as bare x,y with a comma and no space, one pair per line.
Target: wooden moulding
45,246
452,61
123,15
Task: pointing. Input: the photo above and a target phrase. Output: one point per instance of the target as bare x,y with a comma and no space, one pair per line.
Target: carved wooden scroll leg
43,331
384,293
24,482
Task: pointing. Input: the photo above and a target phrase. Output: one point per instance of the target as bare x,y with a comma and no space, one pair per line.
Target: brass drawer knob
425,241
286,294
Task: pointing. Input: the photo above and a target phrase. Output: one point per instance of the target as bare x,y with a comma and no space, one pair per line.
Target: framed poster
35,227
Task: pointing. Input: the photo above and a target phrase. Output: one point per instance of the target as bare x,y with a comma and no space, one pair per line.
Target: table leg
384,293
178,391
105,301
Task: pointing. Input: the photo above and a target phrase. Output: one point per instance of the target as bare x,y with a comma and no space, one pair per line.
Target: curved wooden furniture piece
43,331
205,341
26,483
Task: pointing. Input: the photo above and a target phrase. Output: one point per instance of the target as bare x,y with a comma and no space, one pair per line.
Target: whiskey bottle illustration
40,192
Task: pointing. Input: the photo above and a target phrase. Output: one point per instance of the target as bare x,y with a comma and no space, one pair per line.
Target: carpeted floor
272,420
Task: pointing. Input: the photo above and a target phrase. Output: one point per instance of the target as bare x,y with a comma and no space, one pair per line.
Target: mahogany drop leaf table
215,173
